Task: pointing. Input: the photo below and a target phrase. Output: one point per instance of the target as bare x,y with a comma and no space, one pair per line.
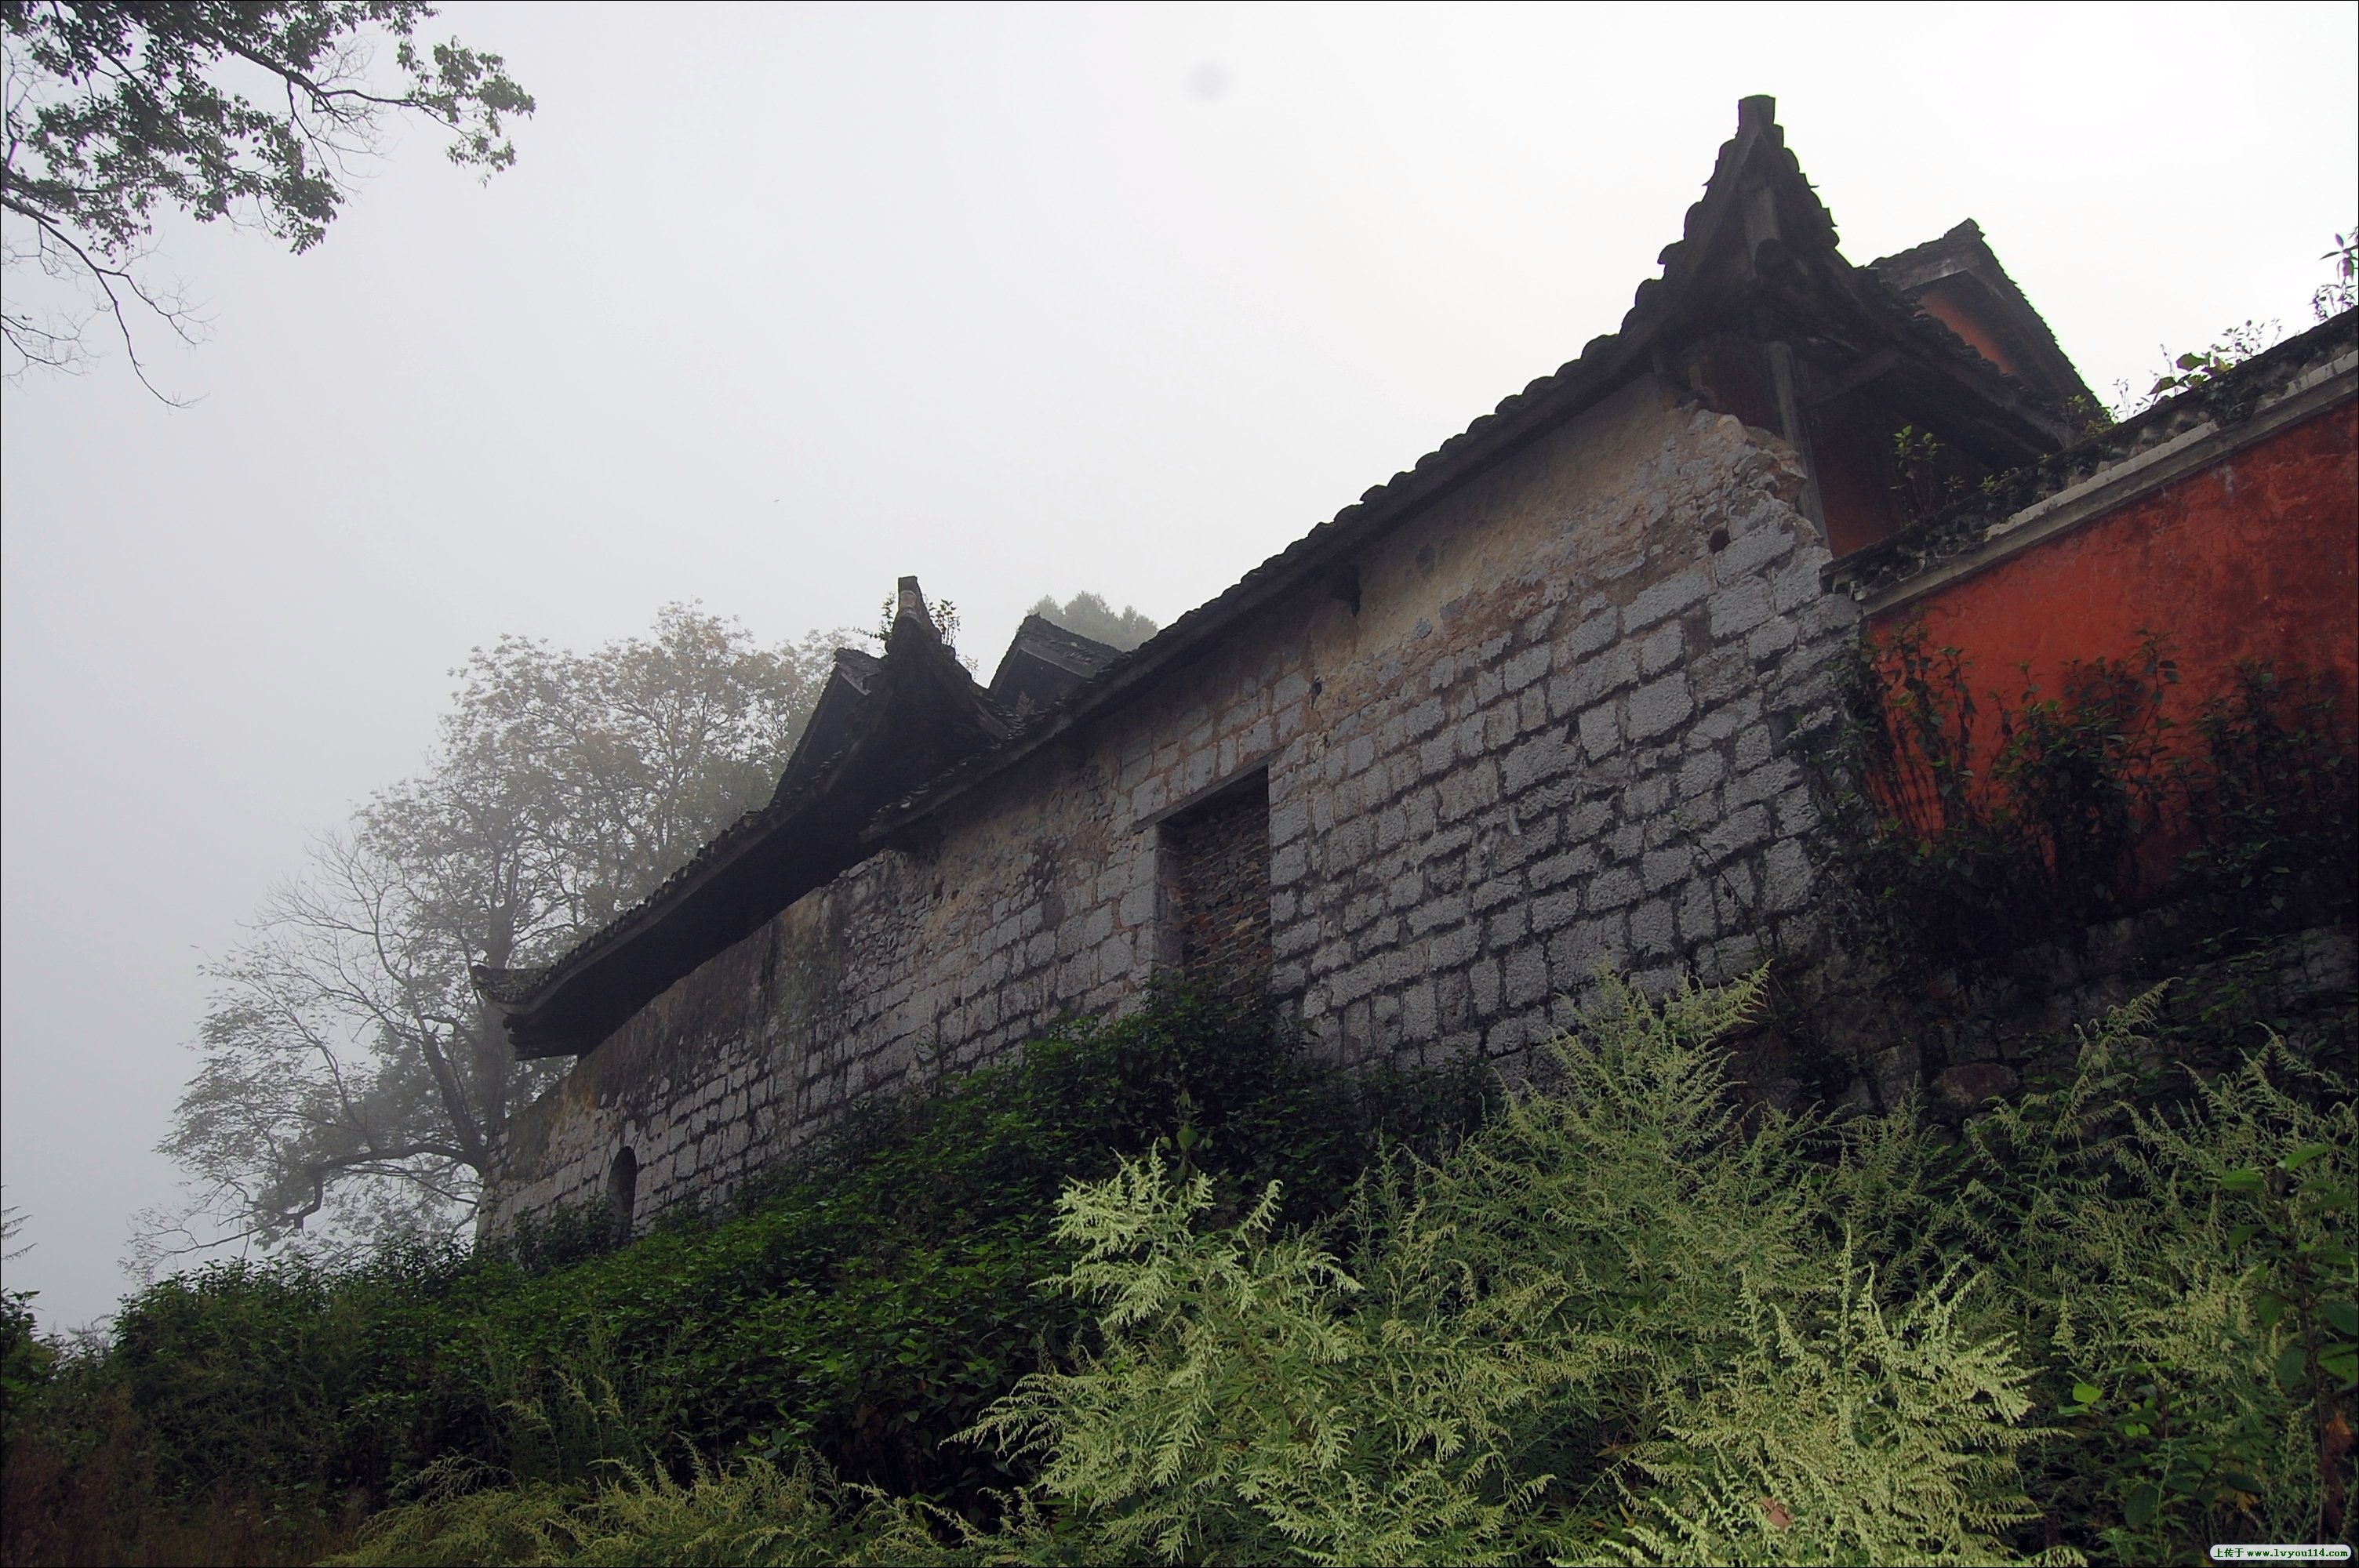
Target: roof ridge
1965,226
1650,305
1604,364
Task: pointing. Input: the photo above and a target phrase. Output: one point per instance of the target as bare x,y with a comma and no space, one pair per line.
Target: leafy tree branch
253,112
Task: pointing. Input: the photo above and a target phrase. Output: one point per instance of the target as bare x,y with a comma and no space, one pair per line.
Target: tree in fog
348,1069
1090,616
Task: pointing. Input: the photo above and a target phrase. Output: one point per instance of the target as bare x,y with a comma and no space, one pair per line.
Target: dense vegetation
864,1306
1624,1318
1972,825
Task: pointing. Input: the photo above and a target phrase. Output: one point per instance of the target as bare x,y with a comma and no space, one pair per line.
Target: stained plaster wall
1557,731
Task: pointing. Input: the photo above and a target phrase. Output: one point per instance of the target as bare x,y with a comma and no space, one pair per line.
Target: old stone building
1533,706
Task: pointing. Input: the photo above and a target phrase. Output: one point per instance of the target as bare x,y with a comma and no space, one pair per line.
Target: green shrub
1619,1322
1967,827
1624,1319
755,1514
2183,1272
860,1305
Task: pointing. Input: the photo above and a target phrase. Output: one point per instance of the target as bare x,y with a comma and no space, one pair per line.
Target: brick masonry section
1218,859
1559,730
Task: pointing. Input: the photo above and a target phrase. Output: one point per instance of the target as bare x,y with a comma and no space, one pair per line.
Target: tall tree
1090,616
115,110
347,1068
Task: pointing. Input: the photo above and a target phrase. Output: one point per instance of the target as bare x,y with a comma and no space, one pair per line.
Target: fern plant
1854,1433
2187,1273
1621,1322
1626,1320
755,1514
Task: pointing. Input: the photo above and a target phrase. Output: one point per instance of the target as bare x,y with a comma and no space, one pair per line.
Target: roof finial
1758,110
911,618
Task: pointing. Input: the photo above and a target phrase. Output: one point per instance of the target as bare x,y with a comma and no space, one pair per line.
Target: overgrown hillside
861,1307
1167,1290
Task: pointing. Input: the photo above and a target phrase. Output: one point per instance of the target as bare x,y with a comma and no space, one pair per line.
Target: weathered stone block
1699,773
1797,583
1452,947
1569,690
1483,985
1526,976
1403,964
1658,869
1798,812
1420,1016
1663,648
1772,778
1771,638
1594,634
1600,730
1747,553
1739,608
1735,833
1786,873
1651,929
1438,911
1492,891
1648,796
1614,889
1576,953
1668,597
1700,914
1578,861
1551,911
1656,707
1719,677
1537,757
1527,667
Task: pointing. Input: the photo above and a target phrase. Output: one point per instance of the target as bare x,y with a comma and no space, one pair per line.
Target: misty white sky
781,303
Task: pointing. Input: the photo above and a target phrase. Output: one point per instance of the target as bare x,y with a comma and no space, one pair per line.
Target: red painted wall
2257,557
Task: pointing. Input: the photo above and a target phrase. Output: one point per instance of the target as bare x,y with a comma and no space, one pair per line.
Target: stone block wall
1844,1033
1556,730
1574,745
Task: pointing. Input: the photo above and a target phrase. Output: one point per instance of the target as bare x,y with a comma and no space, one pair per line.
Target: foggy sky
780,304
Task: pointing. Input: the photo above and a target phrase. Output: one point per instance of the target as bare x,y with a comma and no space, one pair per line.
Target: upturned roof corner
882,726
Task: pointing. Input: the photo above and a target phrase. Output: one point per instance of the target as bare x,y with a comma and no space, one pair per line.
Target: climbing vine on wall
1973,824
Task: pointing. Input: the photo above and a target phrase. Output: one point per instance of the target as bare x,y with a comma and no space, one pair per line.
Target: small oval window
623,1192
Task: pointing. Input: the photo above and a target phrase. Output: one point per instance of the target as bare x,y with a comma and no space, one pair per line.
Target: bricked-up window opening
1216,866
623,1192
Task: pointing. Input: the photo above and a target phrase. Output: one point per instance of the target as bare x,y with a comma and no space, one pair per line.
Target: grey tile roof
1757,187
